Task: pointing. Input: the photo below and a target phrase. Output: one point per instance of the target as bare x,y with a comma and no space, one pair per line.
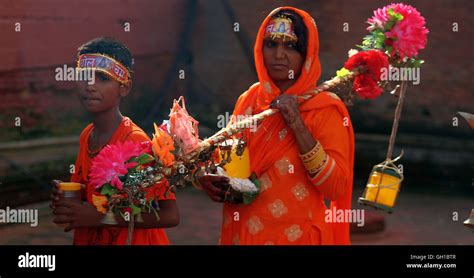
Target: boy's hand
55,193
76,214
215,186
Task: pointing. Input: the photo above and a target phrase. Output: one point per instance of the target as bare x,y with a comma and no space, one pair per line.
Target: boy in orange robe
302,155
112,62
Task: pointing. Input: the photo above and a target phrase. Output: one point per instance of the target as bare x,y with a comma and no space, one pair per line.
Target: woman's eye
270,43
291,45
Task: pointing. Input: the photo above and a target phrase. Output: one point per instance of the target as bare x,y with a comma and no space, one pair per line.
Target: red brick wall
217,70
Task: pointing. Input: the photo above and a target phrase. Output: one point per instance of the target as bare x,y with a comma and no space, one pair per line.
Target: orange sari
127,130
290,208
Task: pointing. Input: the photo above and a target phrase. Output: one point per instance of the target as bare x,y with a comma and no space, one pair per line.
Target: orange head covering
311,67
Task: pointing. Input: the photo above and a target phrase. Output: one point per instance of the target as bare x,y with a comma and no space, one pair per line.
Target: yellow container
71,191
239,166
69,186
383,186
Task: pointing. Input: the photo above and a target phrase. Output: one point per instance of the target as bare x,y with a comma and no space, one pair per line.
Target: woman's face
282,60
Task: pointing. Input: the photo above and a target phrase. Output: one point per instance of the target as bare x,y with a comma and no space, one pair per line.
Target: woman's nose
279,52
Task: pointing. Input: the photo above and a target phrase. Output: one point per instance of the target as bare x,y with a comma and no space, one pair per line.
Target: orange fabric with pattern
290,208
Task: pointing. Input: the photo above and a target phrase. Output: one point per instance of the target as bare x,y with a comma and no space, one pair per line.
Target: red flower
366,87
365,84
374,60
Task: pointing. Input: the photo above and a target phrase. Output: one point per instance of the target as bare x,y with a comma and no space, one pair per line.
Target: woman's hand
215,186
76,214
288,106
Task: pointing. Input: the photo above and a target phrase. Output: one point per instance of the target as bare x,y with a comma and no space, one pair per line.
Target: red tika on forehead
104,64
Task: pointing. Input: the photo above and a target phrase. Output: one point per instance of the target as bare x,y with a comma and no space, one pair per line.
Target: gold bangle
309,154
315,160
319,167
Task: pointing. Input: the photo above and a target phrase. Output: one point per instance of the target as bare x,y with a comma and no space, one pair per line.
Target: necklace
93,153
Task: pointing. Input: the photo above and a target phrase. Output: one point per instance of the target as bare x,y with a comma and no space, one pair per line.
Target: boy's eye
102,76
291,45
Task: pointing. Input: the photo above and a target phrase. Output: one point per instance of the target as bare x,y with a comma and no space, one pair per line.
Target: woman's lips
279,67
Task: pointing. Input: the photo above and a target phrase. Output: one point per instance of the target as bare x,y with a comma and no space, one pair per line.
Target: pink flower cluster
112,162
407,36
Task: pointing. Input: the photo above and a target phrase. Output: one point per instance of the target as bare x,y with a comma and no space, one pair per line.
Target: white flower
240,185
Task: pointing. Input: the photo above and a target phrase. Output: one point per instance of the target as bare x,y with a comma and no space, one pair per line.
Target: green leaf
398,17
393,19
108,190
389,25
249,197
391,12
144,159
418,63
342,72
135,210
257,183
389,49
379,37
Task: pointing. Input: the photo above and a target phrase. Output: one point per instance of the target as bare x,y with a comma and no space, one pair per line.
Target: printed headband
105,64
281,27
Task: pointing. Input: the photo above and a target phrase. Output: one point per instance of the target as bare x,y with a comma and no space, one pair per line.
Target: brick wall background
198,37
214,59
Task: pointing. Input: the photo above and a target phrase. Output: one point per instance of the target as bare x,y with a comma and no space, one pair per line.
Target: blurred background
199,38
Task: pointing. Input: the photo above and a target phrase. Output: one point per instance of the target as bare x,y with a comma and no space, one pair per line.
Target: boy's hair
110,47
299,28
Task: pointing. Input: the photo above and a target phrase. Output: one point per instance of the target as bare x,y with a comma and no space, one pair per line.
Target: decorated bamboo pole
237,127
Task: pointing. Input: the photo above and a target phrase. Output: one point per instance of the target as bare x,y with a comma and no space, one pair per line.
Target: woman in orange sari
302,155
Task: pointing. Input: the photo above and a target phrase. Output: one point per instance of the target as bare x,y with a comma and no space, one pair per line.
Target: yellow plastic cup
71,191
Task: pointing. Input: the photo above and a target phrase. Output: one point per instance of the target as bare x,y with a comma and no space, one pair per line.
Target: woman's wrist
298,125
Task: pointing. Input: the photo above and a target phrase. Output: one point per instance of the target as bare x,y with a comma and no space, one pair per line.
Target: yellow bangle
316,159
319,167
309,154
316,162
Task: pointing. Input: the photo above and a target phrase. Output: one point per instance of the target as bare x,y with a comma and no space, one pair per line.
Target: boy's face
103,95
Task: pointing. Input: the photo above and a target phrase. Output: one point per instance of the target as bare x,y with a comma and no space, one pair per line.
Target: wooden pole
398,112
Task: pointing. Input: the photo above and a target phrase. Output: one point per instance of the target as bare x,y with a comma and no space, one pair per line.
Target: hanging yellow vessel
239,165
382,187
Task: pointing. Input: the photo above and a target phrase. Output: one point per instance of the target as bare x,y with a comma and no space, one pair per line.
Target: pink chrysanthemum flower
111,163
407,36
